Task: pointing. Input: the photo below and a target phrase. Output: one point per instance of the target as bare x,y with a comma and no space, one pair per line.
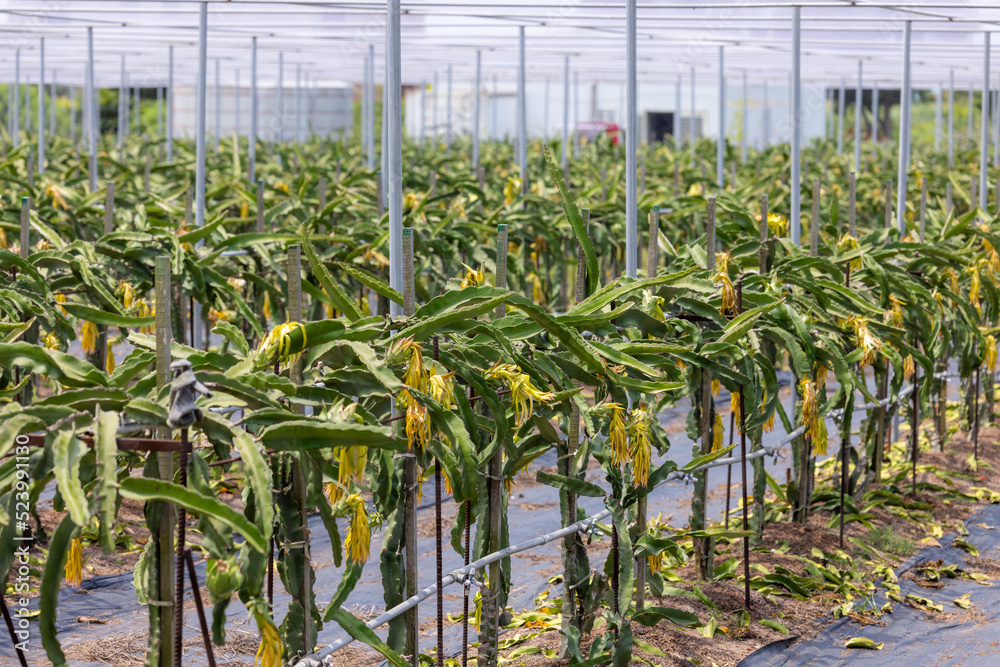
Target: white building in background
323,110
605,101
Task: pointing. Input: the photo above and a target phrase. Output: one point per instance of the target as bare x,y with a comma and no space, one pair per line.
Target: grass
885,539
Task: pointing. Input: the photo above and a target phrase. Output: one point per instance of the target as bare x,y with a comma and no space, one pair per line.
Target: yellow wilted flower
734,407
820,371
238,284
418,426
696,190
269,651
811,419
416,373
474,277
863,339
51,341
908,367
721,278
537,293
126,292
642,446
332,492
109,363
819,437
617,435
277,345
974,289
512,189
142,309
3,238
895,312
953,279
769,424
266,306
718,430
846,244
715,386
215,316
991,353
442,388
245,209
777,224
58,201
283,187
88,337
353,460
358,539
74,562
522,392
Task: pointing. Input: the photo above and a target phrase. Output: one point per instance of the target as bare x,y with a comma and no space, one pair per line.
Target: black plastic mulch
911,637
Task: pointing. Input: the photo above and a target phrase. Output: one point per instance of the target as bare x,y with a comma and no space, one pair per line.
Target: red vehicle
590,130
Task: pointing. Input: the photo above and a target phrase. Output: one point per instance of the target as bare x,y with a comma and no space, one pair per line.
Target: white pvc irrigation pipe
315,659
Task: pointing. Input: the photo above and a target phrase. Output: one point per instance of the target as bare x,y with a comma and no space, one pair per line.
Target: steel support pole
170,105
370,119
40,163
522,115
218,106
159,111
121,105
720,144
364,107
236,106
743,121
298,102
52,104
394,150
280,131
904,132
841,99
984,136
766,119
631,141
199,178
692,138
938,114
252,139
796,118
859,110
995,109
447,116
565,142
951,118
475,110
678,136
91,120
875,113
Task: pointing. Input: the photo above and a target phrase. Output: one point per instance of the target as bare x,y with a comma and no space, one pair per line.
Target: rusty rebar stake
743,468
181,538
206,637
729,468
437,545
13,635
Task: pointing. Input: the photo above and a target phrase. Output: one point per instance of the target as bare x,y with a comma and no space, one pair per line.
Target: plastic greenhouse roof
328,40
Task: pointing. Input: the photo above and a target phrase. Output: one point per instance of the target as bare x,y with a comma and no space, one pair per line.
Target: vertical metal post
951,118
260,205
121,106
522,113
16,104
995,115
631,141
859,110
475,110
298,102
159,111
217,127
91,119
692,137
904,132
938,102
252,139
852,204
170,105
236,105
678,134
565,141
370,111
743,121
137,115
199,179
280,126
720,144
875,113
923,207
109,208
972,112
813,225
796,122
41,106
447,116
162,589
394,150
841,95
984,136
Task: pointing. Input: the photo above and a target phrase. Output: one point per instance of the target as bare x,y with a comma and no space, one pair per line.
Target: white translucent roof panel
328,40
